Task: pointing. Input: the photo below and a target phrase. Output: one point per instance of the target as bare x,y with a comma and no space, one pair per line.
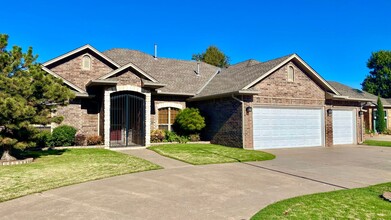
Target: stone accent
163,102
223,121
107,104
71,69
16,162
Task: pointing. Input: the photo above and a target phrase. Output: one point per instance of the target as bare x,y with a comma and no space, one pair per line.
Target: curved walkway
221,191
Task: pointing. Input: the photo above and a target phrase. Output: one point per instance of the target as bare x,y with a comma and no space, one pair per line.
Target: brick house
123,94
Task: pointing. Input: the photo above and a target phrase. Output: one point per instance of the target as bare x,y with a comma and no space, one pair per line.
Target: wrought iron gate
127,119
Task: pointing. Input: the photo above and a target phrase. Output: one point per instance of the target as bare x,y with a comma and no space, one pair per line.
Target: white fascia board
312,71
78,50
112,73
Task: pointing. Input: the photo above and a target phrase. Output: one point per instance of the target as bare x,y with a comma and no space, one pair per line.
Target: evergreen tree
380,121
28,95
212,56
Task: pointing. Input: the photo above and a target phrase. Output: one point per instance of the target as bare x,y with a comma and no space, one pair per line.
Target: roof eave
132,65
318,78
222,95
97,82
78,89
87,46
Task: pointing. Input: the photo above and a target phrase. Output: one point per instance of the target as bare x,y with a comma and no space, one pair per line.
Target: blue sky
335,37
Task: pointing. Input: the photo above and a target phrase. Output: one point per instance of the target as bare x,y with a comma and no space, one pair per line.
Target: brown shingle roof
179,75
236,77
353,93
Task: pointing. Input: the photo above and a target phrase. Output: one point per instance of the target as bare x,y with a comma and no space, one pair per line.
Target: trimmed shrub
80,140
94,140
157,135
173,137
189,121
194,137
43,139
63,135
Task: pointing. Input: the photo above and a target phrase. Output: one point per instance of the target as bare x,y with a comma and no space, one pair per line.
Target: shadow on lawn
36,153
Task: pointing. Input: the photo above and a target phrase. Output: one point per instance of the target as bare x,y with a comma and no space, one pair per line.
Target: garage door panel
343,127
286,127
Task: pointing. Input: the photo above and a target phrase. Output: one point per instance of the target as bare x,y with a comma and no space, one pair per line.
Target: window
166,118
86,63
291,74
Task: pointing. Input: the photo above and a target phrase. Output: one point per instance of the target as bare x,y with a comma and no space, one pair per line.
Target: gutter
243,141
222,95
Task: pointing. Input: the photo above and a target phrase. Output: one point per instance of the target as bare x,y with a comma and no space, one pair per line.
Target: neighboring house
369,102
123,94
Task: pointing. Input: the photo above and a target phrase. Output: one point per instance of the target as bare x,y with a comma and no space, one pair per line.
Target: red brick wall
81,114
128,78
275,90
71,69
223,121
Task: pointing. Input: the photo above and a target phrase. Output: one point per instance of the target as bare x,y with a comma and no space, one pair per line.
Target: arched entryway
127,119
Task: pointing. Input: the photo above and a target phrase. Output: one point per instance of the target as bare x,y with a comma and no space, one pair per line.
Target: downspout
233,96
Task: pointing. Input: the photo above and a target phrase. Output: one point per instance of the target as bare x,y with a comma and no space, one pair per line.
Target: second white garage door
343,127
287,127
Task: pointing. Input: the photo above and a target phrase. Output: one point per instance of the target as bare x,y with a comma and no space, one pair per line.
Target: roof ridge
158,58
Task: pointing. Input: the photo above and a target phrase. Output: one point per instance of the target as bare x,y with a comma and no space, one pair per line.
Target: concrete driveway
222,191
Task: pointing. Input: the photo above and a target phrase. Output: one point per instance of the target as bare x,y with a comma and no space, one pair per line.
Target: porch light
329,112
360,113
249,109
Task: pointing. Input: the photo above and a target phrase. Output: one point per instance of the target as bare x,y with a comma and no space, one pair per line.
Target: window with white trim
291,74
86,62
166,118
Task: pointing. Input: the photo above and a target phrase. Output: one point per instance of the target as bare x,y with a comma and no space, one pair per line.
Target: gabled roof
242,76
179,76
85,47
73,86
129,65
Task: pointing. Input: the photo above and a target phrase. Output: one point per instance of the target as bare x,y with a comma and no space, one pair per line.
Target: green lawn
363,203
209,153
378,143
56,168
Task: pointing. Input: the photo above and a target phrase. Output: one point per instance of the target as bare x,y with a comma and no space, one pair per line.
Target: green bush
43,139
189,121
173,137
63,135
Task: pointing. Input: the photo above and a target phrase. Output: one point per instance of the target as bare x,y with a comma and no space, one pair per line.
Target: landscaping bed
378,143
362,203
198,154
56,168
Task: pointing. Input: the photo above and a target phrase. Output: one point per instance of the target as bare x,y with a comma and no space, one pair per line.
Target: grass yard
363,203
198,154
378,143
56,168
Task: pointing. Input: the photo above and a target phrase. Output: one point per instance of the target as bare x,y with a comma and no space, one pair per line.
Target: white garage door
343,127
287,127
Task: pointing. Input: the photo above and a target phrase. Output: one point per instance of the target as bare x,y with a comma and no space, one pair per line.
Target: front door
127,119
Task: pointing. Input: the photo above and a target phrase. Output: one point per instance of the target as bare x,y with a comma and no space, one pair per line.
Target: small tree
380,121
212,56
28,96
189,121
